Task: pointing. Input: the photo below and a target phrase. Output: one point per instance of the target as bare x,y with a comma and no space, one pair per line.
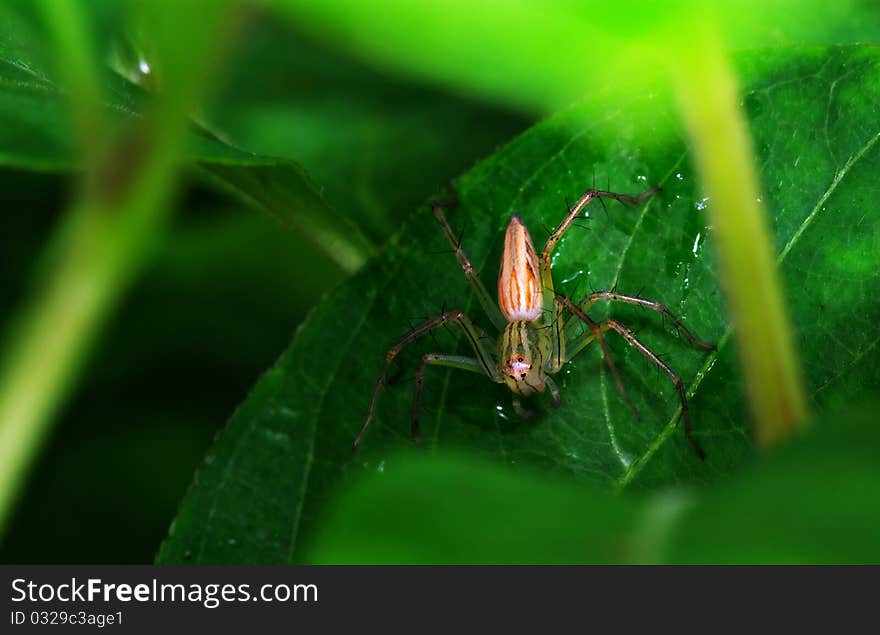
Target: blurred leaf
813,114
810,503
457,509
36,134
376,144
544,56
813,502
283,190
171,364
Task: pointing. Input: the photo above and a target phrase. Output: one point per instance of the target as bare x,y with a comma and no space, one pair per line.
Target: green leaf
373,157
459,509
813,502
176,356
375,143
813,115
35,133
810,503
543,57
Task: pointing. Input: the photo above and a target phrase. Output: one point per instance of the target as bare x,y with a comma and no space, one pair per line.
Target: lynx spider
532,345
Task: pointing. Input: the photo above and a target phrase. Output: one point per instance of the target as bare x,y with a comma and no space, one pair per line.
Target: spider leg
521,411
435,359
546,276
579,205
595,333
633,341
489,305
485,357
630,337
555,398
613,296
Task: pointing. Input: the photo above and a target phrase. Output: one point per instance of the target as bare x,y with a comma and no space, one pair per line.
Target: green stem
95,255
104,238
709,98
46,347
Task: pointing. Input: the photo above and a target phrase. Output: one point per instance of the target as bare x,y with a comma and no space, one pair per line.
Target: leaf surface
813,117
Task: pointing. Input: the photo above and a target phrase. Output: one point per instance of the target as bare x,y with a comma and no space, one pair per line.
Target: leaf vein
664,434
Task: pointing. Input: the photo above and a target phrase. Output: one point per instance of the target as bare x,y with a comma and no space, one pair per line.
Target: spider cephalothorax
524,348
530,317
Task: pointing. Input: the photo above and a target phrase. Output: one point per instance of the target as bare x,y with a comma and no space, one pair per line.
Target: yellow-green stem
103,238
43,351
709,98
94,255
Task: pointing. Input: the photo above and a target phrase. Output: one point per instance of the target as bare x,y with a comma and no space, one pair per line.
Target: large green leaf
813,115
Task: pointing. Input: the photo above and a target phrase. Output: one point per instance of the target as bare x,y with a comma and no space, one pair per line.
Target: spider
532,345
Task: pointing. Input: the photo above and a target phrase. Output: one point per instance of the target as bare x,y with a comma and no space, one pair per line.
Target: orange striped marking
519,283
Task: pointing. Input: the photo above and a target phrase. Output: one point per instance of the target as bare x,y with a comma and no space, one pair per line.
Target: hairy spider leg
614,296
554,318
436,359
489,306
521,411
632,340
595,334
485,357
555,396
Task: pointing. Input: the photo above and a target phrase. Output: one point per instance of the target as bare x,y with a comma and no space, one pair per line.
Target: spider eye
519,359
522,376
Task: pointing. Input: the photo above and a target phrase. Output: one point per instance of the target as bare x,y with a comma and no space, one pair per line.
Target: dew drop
703,203
573,276
144,67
